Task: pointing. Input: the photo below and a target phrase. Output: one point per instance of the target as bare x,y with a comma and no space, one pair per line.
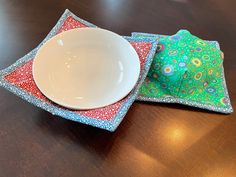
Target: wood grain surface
163,140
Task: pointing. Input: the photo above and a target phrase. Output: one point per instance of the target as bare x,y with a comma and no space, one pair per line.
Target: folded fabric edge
138,34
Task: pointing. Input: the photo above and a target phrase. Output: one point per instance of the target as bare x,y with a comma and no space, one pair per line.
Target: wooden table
163,140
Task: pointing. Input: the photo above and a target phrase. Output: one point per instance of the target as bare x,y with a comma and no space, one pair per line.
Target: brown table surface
163,140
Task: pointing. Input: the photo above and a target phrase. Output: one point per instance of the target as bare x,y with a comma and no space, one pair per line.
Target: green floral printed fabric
187,70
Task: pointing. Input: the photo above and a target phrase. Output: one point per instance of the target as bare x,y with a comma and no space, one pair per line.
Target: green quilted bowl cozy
187,70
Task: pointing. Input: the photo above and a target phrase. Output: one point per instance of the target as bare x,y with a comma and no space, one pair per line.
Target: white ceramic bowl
86,68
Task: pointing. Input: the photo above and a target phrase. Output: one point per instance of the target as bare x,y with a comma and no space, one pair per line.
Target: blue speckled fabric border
109,125
171,99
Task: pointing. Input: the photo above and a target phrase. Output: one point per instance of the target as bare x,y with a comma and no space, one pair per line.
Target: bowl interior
86,68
